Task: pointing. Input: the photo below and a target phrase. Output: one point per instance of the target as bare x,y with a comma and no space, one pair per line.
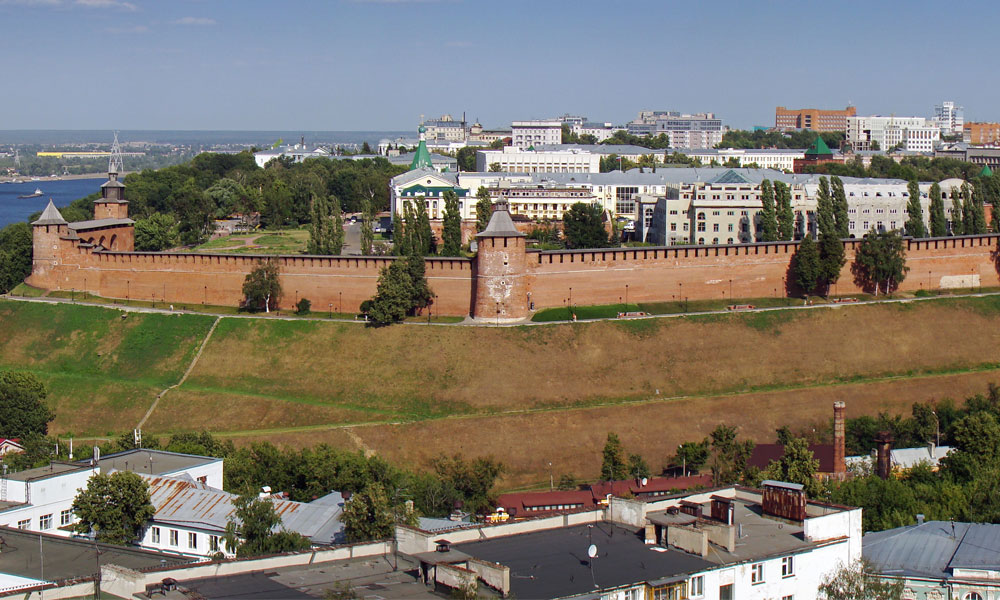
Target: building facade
813,119
981,134
950,118
512,159
702,130
525,134
912,134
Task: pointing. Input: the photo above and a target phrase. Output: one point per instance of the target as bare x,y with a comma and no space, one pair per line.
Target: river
14,209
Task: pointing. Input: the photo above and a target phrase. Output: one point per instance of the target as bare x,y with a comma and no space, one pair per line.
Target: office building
525,134
911,134
702,130
813,119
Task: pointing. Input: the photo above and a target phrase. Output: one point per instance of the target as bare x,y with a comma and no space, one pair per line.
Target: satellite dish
592,551
644,481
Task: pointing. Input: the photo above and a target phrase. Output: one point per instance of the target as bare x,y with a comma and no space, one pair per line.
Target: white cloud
106,4
194,21
32,2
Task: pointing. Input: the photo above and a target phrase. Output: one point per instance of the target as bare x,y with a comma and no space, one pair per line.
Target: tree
428,241
939,223
421,295
114,508
840,214
692,456
785,215
367,226
471,480
155,233
322,229
768,215
637,466
337,235
23,411
881,260
368,515
484,209
806,267
262,287
796,465
973,213
251,530
495,167
859,581
583,227
825,220
729,455
466,158
393,297
831,259
613,468
957,218
16,247
451,231
915,214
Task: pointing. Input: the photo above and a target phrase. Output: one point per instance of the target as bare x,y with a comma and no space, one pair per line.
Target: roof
500,224
70,558
50,216
763,454
553,563
907,458
819,148
422,157
99,223
934,549
183,502
986,172
50,470
152,462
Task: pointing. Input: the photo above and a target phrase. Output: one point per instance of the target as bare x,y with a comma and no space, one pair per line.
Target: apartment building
768,158
912,134
512,159
702,130
950,118
813,119
981,134
446,129
525,134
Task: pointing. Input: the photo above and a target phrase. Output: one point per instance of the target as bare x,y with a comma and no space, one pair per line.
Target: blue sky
380,64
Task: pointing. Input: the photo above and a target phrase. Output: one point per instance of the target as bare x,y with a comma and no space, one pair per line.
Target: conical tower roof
500,225
422,157
986,172
50,216
819,148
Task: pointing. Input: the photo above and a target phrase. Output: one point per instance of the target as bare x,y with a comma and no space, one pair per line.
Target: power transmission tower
115,161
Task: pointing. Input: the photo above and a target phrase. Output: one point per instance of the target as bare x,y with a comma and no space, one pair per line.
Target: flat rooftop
554,563
151,462
69,558
50,470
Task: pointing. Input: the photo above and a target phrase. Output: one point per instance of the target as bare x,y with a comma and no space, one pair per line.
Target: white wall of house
183,539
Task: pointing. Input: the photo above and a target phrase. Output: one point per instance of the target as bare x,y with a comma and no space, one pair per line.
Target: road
352,238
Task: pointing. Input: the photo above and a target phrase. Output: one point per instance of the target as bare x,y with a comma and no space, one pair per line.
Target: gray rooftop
553,563
605,149
50,216
69,558
151,462
99,223
50,470
500,224
928,550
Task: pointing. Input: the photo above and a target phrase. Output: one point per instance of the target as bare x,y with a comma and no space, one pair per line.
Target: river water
14,209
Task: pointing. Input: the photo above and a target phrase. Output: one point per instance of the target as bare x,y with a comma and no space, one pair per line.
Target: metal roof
183,502
500,224
99,223
50,216
925,550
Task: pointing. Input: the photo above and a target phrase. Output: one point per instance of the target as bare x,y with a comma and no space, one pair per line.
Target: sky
381,64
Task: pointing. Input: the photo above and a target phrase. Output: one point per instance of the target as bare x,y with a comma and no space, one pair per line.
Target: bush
303,306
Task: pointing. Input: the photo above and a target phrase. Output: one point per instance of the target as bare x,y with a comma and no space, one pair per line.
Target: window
673,227
726,592
788,566
667,592
701,226
192,540
973,596
789,597
730,227
715,226
213,543
173,537
757,573
24,524
697,587
154,535
686,226
65,517
45,522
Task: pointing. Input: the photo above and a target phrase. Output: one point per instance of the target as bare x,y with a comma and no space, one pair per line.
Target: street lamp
730,290
340,302
551,480
626,297
684,467
331,310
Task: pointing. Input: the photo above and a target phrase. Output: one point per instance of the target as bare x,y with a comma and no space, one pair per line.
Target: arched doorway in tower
113,244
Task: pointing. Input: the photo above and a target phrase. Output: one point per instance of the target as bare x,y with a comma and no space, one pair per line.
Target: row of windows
555,507
192,539
45,521
757,570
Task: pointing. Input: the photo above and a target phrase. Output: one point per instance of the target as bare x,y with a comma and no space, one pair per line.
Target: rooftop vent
443,546
784,500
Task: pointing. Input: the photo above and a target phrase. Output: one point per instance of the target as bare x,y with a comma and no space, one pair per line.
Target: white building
950,118
446,129
513,159
770,158
297,152
702,130
525,134
912,134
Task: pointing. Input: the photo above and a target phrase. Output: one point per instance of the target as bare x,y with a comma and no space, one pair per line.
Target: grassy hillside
529,394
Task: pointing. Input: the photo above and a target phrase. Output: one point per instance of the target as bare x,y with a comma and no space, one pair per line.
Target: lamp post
571,298
684,465
498,314
551,480
626,297
331,310
204,297
340,302
128,284
730,290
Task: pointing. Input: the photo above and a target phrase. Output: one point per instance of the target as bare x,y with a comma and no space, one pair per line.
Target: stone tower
501,279
112,203
47,234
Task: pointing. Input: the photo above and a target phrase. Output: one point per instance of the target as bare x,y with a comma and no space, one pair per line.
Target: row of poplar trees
817,265
968,215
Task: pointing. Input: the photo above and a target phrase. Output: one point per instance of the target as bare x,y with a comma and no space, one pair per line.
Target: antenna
115,161
592,553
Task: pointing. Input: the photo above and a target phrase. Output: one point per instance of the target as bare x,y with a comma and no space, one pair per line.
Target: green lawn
284,241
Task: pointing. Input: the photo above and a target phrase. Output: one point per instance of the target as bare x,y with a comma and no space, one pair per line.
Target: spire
819,148
115,162
50,216
986,172
422,157
500,225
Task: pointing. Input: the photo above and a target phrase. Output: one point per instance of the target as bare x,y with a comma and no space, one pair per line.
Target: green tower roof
986,172
422,157
819,148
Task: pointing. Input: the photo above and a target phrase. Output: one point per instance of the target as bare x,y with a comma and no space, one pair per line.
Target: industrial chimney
883,460
839,441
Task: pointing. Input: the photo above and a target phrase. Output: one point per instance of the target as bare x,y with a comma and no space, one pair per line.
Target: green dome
421,129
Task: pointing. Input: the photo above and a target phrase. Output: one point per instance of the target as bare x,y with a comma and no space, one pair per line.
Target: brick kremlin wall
595,276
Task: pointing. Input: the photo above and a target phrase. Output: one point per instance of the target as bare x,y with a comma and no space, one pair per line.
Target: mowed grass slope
102,371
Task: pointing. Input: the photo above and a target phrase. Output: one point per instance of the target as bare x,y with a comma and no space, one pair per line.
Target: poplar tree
484,209
367,226
939,223
428,244
915,223
957,222
451,231
840,208
806,266
969,211
825,221
768,216
326,232
399,245
785,216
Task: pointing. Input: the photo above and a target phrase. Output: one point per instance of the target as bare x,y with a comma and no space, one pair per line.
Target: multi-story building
912,134
985,157
814,119
297,152
718,544
513,159
525,134
546,202
446,129
702,130
981,134
950,118
768,158
487,136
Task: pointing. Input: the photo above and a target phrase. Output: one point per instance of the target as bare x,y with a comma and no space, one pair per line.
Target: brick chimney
883,460
839,441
